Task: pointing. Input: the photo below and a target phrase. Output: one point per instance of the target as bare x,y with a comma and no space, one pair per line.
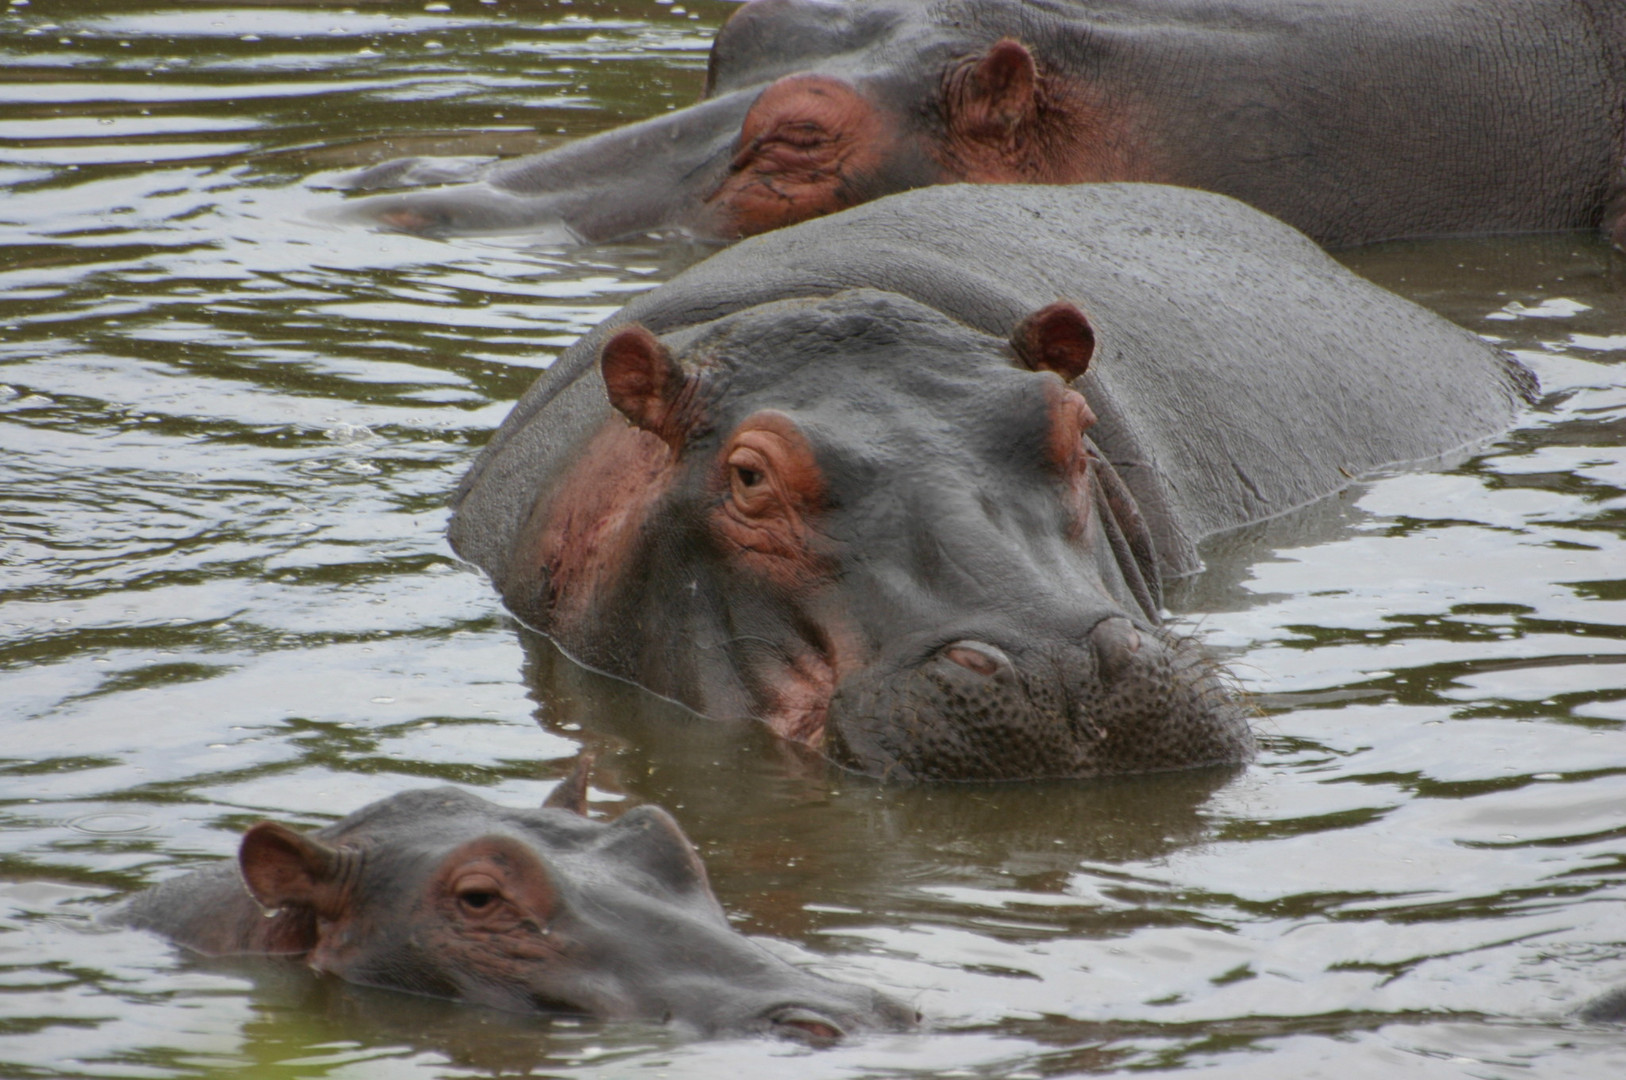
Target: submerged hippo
440,892
903,482
1355,120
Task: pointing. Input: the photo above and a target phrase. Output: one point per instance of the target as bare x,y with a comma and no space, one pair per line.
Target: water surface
227,431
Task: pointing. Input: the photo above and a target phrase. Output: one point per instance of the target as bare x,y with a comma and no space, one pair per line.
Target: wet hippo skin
1354,120
904,482
442,893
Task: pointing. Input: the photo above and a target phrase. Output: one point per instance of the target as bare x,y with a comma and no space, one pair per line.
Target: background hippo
865,497
440,892
1355,120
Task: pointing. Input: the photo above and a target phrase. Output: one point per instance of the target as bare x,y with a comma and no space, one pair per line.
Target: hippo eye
477,893
748,480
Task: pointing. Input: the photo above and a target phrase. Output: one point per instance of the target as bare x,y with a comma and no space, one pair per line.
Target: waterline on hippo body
868,480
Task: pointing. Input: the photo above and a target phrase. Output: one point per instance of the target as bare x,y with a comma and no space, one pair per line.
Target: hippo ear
571,793
998,90
643,380
1056,338
649,837
284,868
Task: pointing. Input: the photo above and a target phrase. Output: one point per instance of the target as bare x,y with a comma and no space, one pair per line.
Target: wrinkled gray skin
439,892
1237,373
1353,120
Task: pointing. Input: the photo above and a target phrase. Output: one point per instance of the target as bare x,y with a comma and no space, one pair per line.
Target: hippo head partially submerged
1351,120
442,893
884,533
809,107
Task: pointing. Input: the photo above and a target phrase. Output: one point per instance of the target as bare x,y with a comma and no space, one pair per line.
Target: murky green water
226,434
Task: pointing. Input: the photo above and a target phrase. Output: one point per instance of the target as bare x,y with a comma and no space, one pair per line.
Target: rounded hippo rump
1354,120
439,892
847,477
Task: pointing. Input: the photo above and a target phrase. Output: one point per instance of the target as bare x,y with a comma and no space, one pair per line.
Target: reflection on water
228,430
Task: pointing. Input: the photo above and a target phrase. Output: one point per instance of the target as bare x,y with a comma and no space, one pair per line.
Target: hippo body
439,892
1353,120
865,495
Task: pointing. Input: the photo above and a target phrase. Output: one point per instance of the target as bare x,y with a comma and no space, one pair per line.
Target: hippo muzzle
1122,698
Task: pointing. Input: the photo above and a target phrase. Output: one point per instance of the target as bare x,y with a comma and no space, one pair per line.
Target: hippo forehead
871,370
430,822
411,832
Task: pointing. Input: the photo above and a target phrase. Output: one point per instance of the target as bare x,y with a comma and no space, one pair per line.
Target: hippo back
1239,372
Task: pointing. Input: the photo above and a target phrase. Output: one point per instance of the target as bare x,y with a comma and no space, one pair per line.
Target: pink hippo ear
644,381
998,91
1056,338
284,868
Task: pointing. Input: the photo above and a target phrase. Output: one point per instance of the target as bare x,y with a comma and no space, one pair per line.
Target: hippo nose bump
984,659
1116,641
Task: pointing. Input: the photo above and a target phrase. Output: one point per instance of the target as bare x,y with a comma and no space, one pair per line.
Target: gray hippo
1354,120
904,482
442,893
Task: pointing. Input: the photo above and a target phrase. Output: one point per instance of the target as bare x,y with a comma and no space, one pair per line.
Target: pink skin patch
594,517
795,700
802,145
1070,416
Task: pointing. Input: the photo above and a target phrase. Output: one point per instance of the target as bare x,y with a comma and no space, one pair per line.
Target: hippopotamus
904,482
440,892
1354,120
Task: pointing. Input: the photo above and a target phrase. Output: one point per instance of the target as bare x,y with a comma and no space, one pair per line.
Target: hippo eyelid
477,891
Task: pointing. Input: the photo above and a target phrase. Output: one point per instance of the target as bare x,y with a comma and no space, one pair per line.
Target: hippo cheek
810,145
1124,699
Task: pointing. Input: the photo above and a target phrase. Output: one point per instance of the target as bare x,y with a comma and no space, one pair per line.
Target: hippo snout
1118,698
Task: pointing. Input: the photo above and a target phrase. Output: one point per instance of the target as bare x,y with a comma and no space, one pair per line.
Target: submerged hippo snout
1118,698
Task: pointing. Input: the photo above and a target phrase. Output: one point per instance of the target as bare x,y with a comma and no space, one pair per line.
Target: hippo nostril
806,1025
1116,641
985,660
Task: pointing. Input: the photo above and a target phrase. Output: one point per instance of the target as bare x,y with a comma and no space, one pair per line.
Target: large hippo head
809,107
884,533
439,892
